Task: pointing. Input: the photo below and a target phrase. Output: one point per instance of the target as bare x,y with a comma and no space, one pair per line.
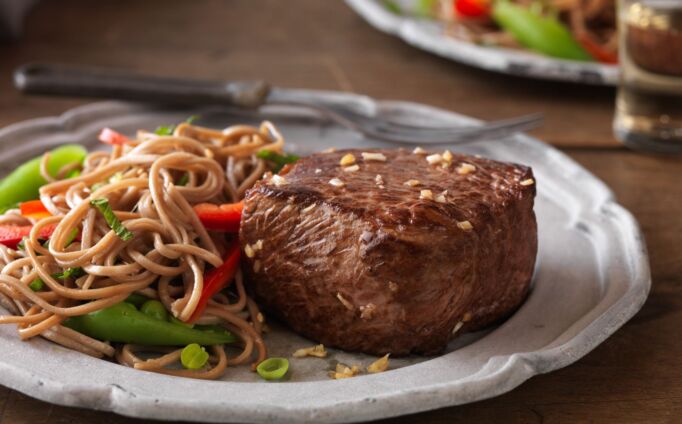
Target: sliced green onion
183,180
37,285
170,129
273,368
154,309
70,273
277,159
193,357
103,205
113,179
393,7
164,130
22,244
74,173
72,236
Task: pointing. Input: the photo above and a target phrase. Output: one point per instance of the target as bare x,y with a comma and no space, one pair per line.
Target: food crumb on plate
318,351
380,365
344,371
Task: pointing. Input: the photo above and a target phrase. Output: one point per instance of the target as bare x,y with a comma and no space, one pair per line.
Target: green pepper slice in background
544,34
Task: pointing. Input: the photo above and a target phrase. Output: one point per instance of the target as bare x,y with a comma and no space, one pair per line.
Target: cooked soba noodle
165,260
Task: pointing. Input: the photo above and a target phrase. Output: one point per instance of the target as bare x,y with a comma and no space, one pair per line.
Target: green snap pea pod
23,183
125,324
541,33
154,309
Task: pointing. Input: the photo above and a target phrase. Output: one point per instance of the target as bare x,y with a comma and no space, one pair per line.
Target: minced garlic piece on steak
317,351
447,156
434,159
380,365
249,251
367,311
466,168
347,159
527,182
457,327
336,182
278,180
344,302
465,225
379,157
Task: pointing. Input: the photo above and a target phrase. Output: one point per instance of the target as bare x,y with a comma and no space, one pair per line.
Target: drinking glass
649,101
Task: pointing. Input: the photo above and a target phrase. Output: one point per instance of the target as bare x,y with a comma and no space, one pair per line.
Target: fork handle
61,80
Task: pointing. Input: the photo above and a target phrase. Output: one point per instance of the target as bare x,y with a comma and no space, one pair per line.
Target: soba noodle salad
132,253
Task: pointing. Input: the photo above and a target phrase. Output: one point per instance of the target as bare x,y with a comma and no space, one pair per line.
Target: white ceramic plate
592,276
429,35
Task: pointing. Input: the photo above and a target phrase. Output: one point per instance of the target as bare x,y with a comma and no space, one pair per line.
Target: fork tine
473,134
386,125
382,129
432,135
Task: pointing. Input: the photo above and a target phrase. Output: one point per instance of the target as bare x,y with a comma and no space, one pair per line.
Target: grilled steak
390,256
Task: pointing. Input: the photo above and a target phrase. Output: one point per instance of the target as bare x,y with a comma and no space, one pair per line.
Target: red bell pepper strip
598,52
218,278
34,209
109,136
11,235
472,8
223,218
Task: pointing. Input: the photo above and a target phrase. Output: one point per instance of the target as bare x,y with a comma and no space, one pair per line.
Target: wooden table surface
634,376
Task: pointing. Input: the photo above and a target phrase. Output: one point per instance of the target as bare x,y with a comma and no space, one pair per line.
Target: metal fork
359,114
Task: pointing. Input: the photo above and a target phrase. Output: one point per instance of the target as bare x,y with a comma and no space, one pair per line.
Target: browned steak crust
377,265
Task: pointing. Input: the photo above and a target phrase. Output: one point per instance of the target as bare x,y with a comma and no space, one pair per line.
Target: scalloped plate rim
514,370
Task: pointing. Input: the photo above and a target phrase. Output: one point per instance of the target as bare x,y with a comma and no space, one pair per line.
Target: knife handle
61,80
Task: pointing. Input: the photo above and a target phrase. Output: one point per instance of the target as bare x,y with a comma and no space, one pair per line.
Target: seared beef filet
390,251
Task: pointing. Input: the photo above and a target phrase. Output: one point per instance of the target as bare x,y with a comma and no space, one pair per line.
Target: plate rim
496,59
518,366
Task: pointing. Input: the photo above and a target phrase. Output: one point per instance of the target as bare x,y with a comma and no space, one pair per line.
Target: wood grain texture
635,376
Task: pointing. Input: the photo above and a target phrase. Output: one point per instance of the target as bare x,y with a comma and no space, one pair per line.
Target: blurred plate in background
429,35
